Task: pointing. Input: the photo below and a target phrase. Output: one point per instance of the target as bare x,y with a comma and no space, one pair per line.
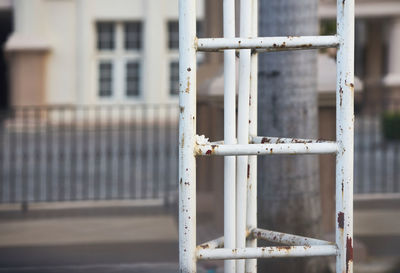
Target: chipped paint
349,253
340,220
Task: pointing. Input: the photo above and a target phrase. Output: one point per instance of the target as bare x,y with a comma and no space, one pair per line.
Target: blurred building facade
377,46
93,52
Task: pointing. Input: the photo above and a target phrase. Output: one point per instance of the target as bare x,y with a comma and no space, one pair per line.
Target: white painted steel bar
345,135
288,239
216,243
277,140
266,252
268,43
265,149
251,213
243,131
187,133
229,134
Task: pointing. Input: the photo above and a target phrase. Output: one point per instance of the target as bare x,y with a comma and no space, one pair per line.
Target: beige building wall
64,32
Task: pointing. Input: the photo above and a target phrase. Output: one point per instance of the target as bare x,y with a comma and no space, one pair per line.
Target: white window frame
119,57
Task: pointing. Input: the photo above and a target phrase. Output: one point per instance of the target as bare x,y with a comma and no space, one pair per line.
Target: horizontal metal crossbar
266,252
265,149
268,43
216,243
277,140
287,239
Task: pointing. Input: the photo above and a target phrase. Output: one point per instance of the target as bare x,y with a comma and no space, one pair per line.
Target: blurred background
89,142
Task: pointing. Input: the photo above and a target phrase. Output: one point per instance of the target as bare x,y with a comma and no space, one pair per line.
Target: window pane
174,78
133,35
105,79
105,36
199,29
132,79
173,35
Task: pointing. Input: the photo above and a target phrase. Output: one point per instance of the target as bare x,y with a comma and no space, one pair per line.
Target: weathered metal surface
187,136
251,212
268,43
345,135
243,131
267,252
266,149
280,140
216,243
229,133
287,239
244,196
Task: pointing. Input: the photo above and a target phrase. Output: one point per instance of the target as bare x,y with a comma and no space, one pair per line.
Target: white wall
69,27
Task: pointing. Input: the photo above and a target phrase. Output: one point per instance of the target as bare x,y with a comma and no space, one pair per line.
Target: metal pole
268,43
229,134
243,131
251,213
345,135
267,252
187,132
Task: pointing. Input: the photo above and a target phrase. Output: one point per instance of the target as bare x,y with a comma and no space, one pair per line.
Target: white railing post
345,135
243,131
187,133
251,213
229,134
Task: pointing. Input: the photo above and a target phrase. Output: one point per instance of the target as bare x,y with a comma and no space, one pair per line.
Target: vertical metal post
251,214
243,131
345,135
187,132
229,134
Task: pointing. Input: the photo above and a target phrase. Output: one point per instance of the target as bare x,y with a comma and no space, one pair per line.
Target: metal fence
377,154
66,153
88,153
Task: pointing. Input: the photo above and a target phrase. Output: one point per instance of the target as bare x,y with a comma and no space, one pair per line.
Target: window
132,79
105,36
173,45
133,35
119,47
173,35
105,79
174,78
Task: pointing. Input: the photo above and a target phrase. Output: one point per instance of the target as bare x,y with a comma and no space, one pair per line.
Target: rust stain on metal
340,219
248,171
349,253
341,95
181,109
210,152
189,69
205,246
265,140
295,140
188,85
286,248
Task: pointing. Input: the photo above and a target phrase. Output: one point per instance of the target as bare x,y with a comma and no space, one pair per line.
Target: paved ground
129,239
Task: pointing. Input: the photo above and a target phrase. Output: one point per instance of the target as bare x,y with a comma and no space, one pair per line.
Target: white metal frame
238,247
